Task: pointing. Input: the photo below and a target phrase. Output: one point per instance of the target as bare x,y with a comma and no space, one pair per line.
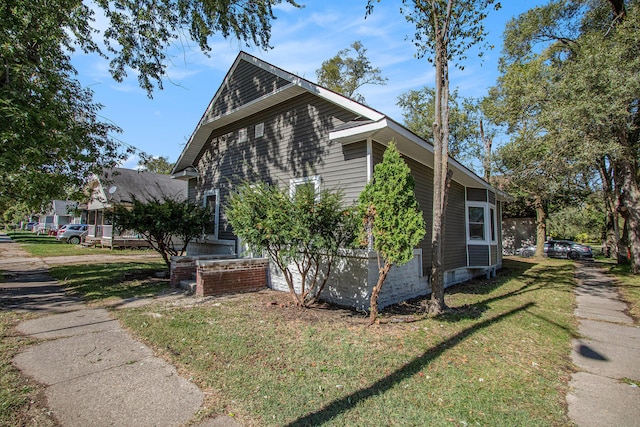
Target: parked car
29,226
559,249
72,233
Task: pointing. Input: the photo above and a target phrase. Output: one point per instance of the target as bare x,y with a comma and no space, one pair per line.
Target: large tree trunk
440,172
541,225
373,303
629,207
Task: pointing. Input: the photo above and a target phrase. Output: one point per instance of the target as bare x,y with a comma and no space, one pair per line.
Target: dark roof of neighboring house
120,184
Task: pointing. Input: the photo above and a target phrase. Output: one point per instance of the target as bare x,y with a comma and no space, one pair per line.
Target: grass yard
103,284
629,287
21,400
48,246
500,358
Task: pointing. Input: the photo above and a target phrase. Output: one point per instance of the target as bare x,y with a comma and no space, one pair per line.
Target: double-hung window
481,223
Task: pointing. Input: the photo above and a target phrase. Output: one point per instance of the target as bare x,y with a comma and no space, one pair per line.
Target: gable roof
284,86
117,185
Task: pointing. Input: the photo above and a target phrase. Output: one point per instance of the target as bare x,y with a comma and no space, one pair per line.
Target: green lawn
107,283
48,246
21,400
501,358
629,287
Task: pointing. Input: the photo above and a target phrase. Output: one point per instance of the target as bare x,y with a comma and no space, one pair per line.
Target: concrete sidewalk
606,353
94,372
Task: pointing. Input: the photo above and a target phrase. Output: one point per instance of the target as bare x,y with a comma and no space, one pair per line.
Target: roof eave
413,146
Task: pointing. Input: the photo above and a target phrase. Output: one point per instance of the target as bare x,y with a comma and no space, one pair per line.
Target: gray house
116,187
266,124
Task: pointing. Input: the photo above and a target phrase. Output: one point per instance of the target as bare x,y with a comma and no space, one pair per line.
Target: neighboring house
116,187
266,124
59,213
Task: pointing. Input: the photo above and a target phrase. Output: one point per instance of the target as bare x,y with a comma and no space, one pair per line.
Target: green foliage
141,31
571,90
388,206
460,22
391,220
51,136
465,114
157,165
584,223
345,75
167,224
303,231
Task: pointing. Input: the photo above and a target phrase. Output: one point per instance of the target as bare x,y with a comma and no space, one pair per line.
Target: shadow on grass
410,369
102,281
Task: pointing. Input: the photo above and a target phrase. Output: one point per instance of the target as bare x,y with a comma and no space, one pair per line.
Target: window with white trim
242,135
482,226
296,183
211,201
259,130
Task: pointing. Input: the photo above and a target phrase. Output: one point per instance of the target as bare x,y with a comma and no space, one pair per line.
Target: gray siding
295,144
494,254
423,177
492,197
455,255
246,84
478,255
455,233
476,194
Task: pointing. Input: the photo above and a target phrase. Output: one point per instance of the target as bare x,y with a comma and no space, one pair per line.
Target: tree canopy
570,85
51,134
345,74
166,223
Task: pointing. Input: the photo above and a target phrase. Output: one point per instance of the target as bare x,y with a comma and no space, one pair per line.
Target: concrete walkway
94,372
606,354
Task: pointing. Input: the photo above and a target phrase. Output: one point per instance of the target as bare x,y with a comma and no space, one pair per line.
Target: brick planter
233,275
184,267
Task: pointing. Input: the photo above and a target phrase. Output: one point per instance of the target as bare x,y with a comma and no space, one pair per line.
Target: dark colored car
560,249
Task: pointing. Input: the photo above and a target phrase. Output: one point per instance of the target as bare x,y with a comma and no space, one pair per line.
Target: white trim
295,182
259,130
369,159
488,220
216,214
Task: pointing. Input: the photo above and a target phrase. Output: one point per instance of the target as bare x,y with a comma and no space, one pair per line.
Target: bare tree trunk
440,172
373,304
486,160
541,225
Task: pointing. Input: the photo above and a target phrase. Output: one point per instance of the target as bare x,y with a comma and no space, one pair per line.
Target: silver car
72,233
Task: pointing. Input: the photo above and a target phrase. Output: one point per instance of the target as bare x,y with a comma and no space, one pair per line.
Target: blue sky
302,39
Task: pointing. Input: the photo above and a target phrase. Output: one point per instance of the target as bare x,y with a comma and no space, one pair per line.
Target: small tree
390,217
302,232
345,75
167,224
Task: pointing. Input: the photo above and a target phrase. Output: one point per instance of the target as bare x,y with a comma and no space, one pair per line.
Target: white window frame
242,135
295,182
259,130
216,214
489,222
